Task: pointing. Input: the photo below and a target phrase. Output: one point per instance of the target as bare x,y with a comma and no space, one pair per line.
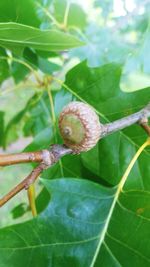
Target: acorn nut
79,126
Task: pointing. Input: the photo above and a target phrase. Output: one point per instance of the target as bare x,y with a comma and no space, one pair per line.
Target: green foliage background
53,52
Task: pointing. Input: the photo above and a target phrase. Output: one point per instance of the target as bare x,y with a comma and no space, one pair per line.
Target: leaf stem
66,15
50,16
54,122
31,198
128,170
51,106
68,89
25,64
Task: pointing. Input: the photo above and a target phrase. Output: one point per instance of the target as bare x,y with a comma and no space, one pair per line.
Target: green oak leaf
99,87
83,226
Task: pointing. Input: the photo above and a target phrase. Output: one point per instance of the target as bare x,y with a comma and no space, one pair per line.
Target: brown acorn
79,126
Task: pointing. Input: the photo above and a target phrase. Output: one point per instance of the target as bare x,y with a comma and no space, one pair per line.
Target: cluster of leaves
76,225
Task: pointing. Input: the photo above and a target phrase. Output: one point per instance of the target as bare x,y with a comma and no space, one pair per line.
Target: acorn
79,126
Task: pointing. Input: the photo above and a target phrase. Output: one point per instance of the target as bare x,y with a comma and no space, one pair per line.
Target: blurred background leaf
19,11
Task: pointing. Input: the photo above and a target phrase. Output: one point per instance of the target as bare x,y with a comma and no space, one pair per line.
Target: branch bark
120,124
25,157
144,124
51,157
146,127
24,184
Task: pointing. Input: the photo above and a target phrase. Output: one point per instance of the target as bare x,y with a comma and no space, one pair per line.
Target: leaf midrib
53,244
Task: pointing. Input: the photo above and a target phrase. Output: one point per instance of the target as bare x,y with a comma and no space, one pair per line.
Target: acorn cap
79,126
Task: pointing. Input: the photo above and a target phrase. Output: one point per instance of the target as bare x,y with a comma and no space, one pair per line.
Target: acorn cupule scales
79,126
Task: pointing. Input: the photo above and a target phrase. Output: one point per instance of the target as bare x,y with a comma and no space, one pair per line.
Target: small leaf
19,210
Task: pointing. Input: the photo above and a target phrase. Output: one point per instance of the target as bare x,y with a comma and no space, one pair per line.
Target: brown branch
51,156
25,157
144,124
146,127
24,184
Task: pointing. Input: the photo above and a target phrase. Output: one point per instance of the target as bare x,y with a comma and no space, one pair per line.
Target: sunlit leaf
14,34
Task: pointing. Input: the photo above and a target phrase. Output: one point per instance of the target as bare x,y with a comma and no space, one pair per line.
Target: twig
144,124
106,129
53,155
146,127
120,124
24,184
10,159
